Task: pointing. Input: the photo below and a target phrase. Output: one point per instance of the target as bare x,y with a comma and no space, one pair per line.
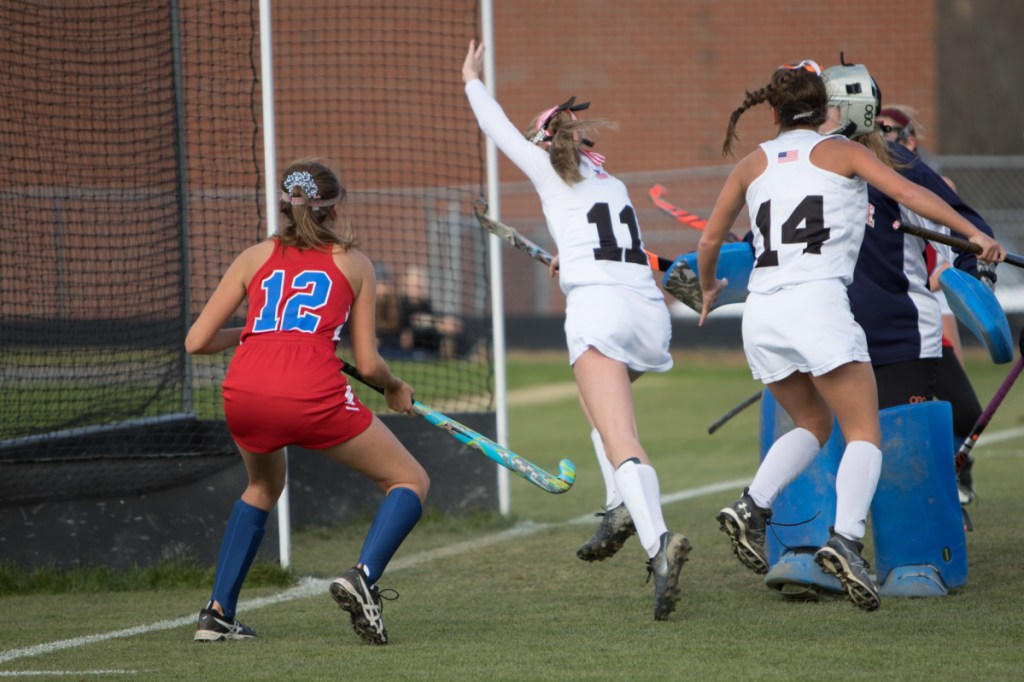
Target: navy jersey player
617,324
807,199
948,379
891,294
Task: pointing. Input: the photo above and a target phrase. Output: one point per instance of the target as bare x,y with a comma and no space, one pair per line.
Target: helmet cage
857,96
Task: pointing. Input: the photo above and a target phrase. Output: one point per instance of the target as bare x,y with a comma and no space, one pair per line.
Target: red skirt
281,390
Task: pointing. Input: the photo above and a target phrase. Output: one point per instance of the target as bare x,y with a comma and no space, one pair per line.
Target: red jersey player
284,386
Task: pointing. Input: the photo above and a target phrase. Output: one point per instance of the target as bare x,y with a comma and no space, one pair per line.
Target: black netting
132,174
375,87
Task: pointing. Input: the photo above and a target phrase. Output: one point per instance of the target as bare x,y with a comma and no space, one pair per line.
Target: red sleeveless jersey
284,385
298,292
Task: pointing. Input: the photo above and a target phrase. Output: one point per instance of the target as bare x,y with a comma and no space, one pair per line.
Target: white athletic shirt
592,222
808,223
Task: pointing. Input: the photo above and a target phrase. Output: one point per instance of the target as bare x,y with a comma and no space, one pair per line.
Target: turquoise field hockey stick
502,455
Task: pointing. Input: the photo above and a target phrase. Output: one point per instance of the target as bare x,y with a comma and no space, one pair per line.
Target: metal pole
270,182
187,398
497,281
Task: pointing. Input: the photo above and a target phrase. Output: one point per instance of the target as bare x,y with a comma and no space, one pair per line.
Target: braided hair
797,94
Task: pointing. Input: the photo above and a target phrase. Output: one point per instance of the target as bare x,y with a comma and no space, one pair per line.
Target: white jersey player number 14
809,212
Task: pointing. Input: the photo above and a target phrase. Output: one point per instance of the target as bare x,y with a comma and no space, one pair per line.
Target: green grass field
487,598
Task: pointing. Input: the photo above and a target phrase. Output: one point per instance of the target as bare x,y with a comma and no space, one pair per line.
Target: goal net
132,174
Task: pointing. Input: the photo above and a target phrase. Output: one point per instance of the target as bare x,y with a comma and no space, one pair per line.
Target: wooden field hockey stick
717,424
510,234
682,282
657,195
532,249
503,456
955,242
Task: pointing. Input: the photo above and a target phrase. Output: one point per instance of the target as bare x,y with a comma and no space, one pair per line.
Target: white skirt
807,328
619,323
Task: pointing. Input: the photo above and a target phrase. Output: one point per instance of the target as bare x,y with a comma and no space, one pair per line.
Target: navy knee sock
242,538
397,515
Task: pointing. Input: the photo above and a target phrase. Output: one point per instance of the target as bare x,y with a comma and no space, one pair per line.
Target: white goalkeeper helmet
856,95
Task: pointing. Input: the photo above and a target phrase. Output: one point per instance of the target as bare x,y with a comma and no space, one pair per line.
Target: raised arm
530,158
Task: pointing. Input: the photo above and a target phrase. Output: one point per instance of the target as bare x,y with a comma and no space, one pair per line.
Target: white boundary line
65,673
999,436
310,587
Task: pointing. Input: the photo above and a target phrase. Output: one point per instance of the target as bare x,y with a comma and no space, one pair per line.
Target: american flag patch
786,157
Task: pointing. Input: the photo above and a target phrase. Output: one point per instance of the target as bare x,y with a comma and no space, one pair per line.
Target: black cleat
841,557
745,523
362,601
214,627
616,527
665,567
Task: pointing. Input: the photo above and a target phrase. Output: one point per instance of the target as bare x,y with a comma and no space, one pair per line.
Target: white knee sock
612,498
638,485
786,459
855,487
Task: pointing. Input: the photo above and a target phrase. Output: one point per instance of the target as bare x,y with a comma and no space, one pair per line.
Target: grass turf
525,608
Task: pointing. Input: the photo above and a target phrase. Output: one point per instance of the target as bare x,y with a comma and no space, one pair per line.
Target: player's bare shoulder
749,168
252,259
259,252
354,264
835,153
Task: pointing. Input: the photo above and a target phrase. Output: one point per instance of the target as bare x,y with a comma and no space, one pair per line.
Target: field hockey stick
955,242
503,456
510,234
964,453
535,251
681,282
717,424
657,194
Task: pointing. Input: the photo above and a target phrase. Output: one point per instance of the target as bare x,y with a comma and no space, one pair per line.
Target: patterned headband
304,180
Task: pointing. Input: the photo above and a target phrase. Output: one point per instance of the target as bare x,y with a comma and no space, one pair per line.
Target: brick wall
670,73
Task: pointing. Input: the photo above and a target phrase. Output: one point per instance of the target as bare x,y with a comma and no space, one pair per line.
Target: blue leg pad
917,522
797,577
913,581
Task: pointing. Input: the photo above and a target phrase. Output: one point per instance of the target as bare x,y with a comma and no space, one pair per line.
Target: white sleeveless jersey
592,223
807,223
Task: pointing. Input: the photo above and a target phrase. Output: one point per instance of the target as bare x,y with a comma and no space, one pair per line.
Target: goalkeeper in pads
807,193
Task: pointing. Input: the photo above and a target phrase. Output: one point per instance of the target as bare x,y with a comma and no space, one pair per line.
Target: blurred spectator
389,310
406,320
